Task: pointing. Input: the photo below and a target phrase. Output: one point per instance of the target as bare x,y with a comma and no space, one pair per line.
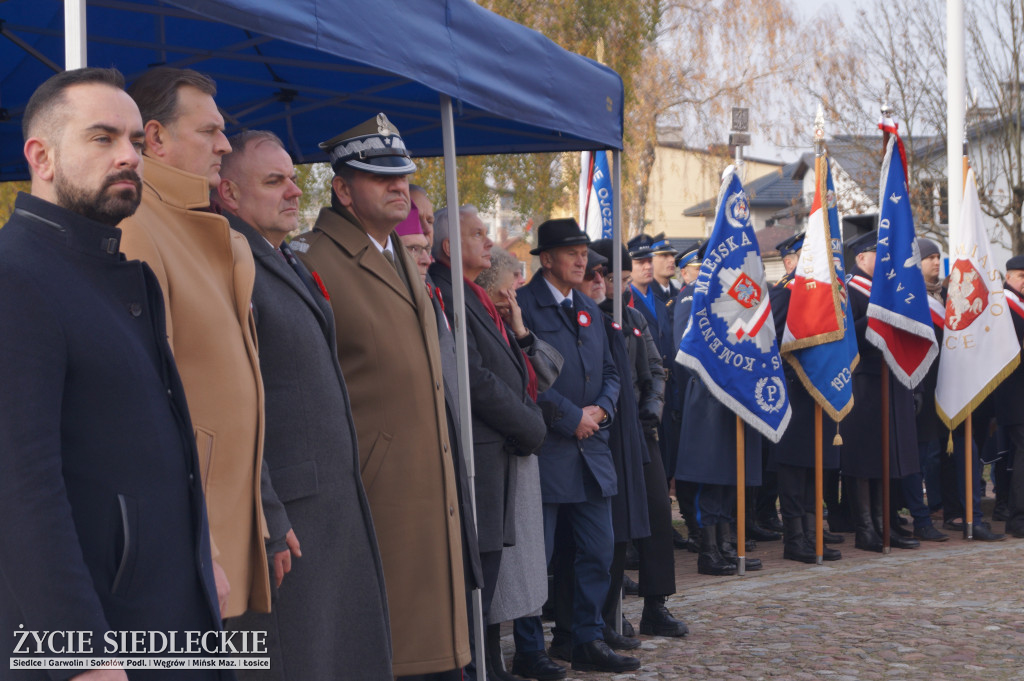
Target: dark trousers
929,454
657,554
796,490
1015,495
715,504
590,522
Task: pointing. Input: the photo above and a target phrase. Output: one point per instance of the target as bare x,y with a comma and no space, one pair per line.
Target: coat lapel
275,265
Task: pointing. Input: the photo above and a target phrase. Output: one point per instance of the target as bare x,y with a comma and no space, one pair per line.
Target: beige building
683,177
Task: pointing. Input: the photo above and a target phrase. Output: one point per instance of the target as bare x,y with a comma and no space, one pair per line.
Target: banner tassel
837,441
949,443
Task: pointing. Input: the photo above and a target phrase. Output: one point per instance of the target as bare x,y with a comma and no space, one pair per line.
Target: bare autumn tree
896,53
707,58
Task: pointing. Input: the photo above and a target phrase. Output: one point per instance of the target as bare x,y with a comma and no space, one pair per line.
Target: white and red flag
979,345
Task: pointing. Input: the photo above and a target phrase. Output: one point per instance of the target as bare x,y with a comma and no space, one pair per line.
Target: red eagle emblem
967,297
745,291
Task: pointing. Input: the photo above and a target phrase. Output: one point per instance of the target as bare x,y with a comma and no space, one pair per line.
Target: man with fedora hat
577,472
389,353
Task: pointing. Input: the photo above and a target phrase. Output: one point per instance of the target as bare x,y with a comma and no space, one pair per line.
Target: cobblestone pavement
953,610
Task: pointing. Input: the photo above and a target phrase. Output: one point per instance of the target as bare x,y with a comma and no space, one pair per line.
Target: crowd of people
209,424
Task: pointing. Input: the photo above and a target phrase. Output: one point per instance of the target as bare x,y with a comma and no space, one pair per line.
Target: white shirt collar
556,293
386,247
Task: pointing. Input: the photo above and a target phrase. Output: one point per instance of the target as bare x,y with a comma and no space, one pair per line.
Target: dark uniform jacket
1009,395
861,453
588,377
103,519
329,618
707,446
506,420
796,447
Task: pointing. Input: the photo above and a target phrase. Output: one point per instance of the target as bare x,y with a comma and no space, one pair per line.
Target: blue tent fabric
309,69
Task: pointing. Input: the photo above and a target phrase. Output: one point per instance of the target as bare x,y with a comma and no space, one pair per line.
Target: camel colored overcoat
206,273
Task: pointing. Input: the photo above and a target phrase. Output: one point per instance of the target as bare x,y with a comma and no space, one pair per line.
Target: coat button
170,393
445,447
587,378
451,510
580,342
437,385
191,478
134,309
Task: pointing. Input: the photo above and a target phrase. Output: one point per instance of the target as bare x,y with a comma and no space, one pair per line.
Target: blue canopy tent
307,69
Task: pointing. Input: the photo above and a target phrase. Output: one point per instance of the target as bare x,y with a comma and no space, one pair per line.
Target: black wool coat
103,518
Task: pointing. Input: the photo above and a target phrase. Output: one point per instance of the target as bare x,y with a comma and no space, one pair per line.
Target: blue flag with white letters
899,320
730,337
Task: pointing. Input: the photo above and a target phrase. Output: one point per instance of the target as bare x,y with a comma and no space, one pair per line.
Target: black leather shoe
617,641
560,650
868,540
658,621
629,587
677,539
596,656
1015,530
771,522
900,531
929,533
831,538
898,542
758,533
982,533
956,524
537,665
1001,511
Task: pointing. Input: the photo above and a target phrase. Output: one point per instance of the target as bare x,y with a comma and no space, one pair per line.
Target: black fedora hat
559,232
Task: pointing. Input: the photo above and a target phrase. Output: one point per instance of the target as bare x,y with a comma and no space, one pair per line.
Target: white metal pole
461,349
74,34
956,76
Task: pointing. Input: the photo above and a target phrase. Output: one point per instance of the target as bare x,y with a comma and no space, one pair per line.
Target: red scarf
488,304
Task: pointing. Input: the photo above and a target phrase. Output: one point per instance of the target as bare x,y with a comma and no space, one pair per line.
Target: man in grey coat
329,616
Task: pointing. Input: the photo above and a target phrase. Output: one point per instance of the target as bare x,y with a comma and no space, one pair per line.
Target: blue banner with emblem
730,338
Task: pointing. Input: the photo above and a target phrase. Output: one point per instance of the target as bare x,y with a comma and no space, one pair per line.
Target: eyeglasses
596,272
417,250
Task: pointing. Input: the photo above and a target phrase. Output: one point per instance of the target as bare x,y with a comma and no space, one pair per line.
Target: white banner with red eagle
979,346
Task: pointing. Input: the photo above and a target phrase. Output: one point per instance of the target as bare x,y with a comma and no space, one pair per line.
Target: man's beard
104,206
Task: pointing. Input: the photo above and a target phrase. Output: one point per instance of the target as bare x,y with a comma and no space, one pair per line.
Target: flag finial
819,131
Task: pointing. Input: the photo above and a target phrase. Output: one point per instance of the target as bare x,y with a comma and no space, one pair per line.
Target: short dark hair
45,104
346,173
240,143
156,91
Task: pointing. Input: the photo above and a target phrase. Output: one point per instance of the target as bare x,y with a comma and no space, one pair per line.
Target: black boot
728,549
495,661
709,560
895,540
860,505
658,621
794,546
826,552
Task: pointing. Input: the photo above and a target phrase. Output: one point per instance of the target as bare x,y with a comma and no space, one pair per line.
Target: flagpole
819,492
885,458
968,439
741,499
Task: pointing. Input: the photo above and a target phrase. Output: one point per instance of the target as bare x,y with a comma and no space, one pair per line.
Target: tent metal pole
617,234
74,34
461,349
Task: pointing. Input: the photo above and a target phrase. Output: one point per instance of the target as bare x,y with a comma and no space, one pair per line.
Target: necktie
390,257
567,306
289,257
